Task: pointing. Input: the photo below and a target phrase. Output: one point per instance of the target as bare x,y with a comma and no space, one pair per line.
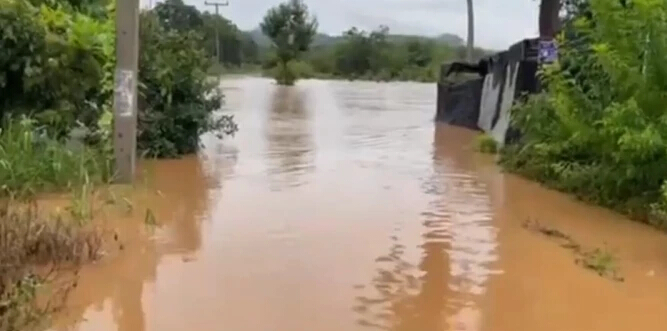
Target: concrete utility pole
217,35
125,89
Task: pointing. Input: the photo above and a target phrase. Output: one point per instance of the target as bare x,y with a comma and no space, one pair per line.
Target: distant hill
322,39
451,39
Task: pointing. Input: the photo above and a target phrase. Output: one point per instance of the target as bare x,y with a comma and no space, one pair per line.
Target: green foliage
45,46
236,47
31,162
486,144
378,55
178,97
600,129
174,14
291,29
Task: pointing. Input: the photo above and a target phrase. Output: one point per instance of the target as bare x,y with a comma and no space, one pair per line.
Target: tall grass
33,248
34,245
31,162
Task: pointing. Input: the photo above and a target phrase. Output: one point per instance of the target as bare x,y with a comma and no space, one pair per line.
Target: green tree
178,99
174,14
291,29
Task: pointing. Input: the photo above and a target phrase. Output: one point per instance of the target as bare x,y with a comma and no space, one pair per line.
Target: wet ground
341,206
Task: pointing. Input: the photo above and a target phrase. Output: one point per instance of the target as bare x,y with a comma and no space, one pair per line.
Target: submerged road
341,206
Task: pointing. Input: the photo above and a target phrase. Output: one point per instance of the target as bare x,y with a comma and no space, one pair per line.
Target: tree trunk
471,32
549,21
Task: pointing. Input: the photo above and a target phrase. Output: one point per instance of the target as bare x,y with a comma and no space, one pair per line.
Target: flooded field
341,206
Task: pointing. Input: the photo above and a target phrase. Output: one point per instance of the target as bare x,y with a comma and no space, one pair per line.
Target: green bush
54,64
58,62
178,96
600,129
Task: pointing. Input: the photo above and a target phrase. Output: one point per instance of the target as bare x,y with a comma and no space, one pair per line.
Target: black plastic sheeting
458,104
481,68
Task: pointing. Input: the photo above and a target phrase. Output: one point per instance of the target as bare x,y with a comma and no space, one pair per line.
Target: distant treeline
355,54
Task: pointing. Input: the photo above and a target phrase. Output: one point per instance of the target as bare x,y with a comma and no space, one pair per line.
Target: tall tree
291,29
471,32
174,14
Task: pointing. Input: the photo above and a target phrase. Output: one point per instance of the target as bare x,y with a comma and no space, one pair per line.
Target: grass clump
31,162
602,261
486,144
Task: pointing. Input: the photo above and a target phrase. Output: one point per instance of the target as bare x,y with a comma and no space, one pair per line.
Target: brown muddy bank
342,206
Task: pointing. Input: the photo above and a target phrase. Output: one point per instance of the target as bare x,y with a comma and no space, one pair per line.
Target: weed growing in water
486,144
602,261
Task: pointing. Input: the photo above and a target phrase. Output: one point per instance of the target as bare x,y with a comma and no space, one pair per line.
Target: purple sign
548,51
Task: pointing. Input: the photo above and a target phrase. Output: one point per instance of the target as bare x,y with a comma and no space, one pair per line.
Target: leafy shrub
54,64
600,129
178,97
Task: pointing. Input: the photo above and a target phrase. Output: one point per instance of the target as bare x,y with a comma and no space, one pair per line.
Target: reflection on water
458,246
340,206
289,138
118,284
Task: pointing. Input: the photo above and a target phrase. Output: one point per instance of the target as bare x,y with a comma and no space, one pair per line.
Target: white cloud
498,23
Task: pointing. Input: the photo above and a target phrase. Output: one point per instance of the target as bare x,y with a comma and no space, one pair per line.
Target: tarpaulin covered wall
485,103
458,104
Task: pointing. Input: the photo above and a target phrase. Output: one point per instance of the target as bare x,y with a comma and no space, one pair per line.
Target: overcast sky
498,23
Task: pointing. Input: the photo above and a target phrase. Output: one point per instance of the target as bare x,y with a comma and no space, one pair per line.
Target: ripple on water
458,248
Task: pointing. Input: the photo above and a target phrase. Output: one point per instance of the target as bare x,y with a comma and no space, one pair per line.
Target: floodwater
341,206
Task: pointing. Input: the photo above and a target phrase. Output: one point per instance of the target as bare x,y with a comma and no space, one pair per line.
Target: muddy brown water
341,206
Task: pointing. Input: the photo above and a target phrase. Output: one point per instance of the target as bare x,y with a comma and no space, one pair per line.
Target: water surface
341,206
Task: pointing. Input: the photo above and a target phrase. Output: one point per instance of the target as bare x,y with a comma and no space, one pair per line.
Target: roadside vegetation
484,143
599,130
56,93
